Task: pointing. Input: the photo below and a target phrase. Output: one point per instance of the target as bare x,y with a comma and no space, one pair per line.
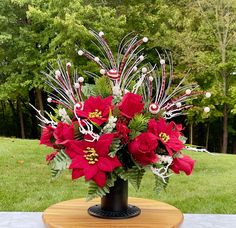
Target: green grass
25,183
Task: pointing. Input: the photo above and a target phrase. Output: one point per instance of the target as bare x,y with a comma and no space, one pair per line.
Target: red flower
167,133
122,132
184,163
47,136
51,156
96,109
143,148
91,159
63,133
130,105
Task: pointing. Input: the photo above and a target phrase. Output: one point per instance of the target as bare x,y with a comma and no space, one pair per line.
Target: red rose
63,133
130,105
143,147
122,132
51,156
47,136
184,163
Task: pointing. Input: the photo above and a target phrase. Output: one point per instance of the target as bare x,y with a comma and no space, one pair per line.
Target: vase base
131,211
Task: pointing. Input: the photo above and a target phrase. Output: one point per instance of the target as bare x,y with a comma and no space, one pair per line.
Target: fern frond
95,191
133,175
59,163
88,90
102,87
138,124
160,185
115,146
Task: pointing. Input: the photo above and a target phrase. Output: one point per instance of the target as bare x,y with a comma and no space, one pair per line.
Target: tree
220,21
36,34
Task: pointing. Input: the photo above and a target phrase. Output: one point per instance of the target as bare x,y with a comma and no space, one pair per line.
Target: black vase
114,205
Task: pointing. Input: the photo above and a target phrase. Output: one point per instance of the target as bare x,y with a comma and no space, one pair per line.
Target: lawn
25,183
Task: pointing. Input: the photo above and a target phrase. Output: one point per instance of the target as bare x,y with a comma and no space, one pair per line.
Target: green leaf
138,124
88,90
115,146
95,191
160,185
102,87
59,163
133,175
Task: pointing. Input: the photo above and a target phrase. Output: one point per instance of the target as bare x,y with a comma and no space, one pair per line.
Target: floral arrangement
120,125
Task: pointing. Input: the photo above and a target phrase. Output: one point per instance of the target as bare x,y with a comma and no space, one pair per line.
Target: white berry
80,79
80,52
135,68
96,59
145,39
162,61
101,34
77,85
141,57
57,74
49,100
188,91
144,70
178,104
68,64
208,94
150,78
206,109
102,71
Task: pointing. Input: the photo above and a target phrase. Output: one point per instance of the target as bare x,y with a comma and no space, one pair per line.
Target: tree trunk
2,130
34,123
225,91
14,119
207,135
3,111
225,112
225,130
40,100
191,134
19,110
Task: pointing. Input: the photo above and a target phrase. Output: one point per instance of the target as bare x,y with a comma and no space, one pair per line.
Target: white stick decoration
89,126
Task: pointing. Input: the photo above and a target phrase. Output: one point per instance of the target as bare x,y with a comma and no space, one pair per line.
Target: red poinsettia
143,147
91,159
96,109
183,163
63,133
122,132
47,136
167,133
130,105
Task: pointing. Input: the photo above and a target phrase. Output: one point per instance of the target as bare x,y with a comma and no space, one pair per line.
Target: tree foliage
200,34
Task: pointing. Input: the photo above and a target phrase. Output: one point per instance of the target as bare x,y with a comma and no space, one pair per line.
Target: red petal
92,103
78,162
81,113
100,179
115,162
103,144
77,173
105,165
98,121
107,101
90,172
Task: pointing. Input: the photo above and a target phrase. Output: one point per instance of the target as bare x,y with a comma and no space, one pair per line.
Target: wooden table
73,213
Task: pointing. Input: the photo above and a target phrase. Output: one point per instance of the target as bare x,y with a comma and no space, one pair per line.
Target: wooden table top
73,213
